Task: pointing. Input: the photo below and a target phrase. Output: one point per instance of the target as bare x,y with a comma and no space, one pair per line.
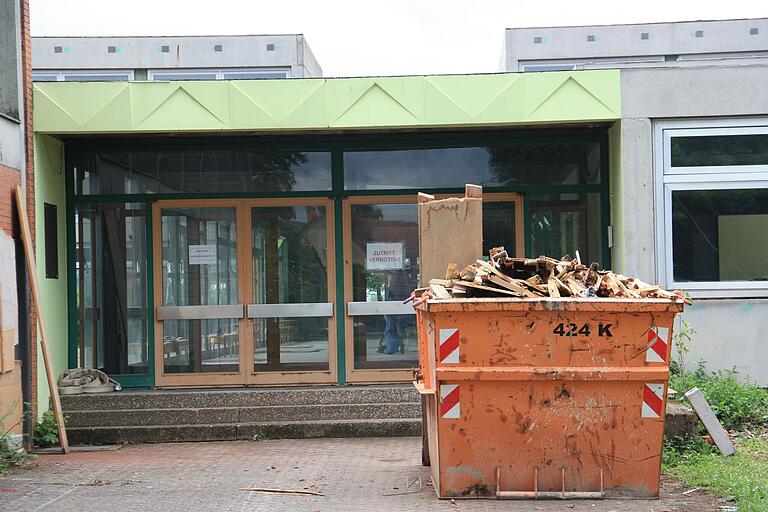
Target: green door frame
336,145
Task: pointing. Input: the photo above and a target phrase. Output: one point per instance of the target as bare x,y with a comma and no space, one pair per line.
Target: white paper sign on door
384,256
202,254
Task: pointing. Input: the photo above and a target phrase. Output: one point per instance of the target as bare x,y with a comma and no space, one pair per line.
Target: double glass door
243,292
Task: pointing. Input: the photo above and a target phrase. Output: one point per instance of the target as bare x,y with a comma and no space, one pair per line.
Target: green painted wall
49,188
501,99
617,196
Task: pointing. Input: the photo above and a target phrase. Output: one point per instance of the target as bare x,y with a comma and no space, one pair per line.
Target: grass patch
739,406
742,408
743,477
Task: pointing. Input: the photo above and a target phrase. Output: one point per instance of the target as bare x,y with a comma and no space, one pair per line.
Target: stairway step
241,415
391,427
241,397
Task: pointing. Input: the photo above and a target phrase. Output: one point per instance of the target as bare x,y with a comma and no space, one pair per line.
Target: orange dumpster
554,398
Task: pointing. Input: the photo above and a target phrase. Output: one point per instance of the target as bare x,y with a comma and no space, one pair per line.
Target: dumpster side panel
558,339
575,396
584,427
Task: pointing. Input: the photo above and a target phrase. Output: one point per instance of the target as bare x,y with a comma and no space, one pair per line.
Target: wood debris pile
542,277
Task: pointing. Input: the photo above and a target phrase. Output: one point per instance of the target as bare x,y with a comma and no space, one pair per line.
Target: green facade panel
338,103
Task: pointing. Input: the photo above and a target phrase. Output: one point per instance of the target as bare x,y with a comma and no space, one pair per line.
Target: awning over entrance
334,103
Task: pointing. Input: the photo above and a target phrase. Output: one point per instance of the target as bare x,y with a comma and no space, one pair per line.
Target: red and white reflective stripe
653,400
449,346
449,401
658,341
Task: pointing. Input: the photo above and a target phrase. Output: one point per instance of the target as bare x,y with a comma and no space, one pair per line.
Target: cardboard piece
450,231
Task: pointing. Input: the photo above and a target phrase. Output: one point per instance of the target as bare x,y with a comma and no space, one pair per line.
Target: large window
109,75
512,164
219,74
713,186
191,171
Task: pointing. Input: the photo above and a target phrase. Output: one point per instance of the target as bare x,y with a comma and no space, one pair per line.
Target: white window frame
60,73
669,179
219,72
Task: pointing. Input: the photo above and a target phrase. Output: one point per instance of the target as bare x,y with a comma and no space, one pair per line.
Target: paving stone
354,474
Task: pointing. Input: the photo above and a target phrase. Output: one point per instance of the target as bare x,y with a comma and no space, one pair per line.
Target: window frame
669,179
62,73
219,72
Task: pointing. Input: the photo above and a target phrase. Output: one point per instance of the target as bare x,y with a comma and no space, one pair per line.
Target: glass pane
194,346
387,341
43,77
253,75
199,268
564,223
290,265
719,235
499,226
183,76
111,284
97,78
529,163
718,150
201,172
384,341
290,344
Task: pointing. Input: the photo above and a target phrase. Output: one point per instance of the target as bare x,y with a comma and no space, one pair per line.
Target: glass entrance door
381,248
200,307
290,313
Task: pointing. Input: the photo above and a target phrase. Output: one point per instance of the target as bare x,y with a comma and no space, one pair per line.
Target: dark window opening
51,241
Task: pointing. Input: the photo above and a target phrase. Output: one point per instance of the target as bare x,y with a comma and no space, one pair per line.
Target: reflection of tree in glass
540,163
274,170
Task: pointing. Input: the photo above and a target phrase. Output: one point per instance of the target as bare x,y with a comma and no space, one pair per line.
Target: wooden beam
21,206
708,418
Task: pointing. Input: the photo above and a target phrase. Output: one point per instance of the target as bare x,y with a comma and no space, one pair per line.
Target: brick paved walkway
354,474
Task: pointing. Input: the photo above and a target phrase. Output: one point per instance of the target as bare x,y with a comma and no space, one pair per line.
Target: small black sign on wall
51,242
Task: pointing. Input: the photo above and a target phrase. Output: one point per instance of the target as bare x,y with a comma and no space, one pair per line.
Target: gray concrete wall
633,208
729,334
612,41
184,52
309,65
697,91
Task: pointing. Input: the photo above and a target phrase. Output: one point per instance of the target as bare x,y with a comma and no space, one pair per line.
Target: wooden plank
439,291
708,418
489,289
552,287
513,287
29,254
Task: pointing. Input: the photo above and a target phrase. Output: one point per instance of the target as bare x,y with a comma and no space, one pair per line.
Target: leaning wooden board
29,254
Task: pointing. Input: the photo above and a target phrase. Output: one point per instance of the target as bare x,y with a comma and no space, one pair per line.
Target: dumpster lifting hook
548,495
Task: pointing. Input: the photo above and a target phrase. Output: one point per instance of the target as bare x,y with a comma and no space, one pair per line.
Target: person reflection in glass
398,288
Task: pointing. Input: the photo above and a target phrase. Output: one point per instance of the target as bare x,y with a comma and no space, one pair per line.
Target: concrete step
247,431
242,415
241,397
